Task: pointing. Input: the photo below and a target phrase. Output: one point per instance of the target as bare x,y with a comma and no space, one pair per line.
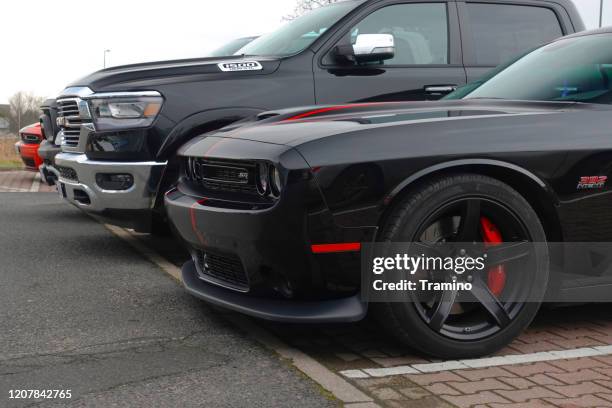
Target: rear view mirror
368,48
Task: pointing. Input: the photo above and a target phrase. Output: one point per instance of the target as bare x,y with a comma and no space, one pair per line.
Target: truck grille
68,109
28,162
221,175
226,269
67,173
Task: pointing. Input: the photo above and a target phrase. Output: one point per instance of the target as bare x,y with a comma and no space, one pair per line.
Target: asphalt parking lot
81,310
84,309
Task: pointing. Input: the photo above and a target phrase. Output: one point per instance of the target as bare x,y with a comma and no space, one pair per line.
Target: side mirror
368,48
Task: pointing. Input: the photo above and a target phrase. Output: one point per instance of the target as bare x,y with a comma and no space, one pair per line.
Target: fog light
115,182
81,197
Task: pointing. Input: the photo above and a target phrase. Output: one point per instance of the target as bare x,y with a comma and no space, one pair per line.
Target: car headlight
124,111
269,183
262,179
275,181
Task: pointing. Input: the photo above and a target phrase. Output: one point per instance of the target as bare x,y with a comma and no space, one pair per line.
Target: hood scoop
267,115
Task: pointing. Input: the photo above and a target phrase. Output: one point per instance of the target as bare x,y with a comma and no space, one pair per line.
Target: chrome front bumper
140,196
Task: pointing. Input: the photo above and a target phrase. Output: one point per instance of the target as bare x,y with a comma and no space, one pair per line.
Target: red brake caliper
496,278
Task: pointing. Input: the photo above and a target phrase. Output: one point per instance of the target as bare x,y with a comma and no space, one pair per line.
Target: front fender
202,122
359,195
466,164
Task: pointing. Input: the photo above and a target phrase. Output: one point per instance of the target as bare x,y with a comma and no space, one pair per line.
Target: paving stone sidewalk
569,383
21,181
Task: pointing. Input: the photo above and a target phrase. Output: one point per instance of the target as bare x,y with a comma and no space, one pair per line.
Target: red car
27,147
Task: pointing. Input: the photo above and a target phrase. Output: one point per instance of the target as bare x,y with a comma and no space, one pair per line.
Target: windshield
231,47
575,69
298,34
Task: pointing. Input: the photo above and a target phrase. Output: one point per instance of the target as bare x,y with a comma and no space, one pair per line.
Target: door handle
440,89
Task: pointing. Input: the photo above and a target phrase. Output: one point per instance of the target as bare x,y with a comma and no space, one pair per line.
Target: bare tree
17,108
304,6
24,109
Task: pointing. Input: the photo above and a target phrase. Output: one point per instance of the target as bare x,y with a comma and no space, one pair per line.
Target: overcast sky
47,44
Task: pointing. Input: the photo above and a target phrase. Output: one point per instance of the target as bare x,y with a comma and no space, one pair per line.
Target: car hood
294,127
148,75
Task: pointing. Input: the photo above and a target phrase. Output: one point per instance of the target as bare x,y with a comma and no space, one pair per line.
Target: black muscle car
276,211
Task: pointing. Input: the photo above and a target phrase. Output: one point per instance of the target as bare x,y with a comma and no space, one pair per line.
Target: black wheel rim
479,313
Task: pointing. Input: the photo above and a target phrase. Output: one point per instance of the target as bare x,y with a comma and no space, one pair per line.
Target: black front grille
226,270
221,175
29,162
67,173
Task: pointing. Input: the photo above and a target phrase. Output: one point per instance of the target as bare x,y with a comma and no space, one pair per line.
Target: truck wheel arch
202,122
187,129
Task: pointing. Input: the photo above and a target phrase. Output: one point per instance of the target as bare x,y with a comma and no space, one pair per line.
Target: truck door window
420,31
500,32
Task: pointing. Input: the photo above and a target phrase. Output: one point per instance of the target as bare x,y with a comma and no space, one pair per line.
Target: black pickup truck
121,127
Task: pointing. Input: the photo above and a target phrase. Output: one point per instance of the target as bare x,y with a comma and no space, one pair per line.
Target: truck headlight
116,111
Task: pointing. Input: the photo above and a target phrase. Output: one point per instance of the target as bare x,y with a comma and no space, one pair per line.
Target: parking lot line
35,184
13,189
332,382
485,362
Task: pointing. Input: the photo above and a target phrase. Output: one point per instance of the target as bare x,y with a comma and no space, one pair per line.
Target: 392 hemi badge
589,182
240,66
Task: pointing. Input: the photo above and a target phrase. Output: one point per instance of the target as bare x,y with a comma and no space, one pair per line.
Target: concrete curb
35,184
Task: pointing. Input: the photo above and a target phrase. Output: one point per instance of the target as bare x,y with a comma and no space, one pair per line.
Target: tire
404,320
